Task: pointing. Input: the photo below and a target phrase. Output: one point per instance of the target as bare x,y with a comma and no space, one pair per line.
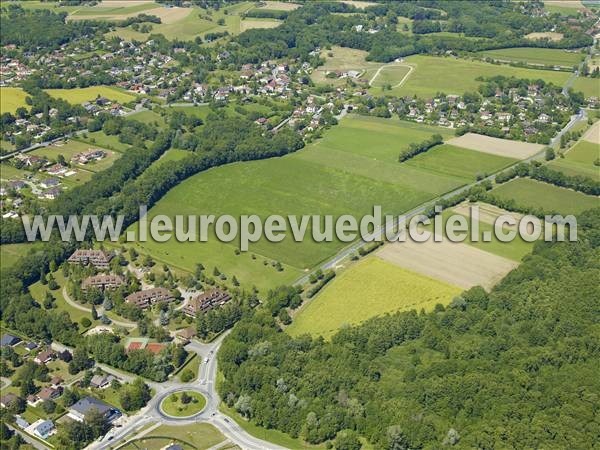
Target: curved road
204,384
80,307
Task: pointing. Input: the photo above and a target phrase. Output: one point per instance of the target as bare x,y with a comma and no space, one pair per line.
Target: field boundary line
410,70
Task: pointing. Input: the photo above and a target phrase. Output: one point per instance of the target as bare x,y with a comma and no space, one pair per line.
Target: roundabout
182,404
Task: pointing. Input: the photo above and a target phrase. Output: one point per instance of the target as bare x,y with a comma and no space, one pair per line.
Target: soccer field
370,288
351,169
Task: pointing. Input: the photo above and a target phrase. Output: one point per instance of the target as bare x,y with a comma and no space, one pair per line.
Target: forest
512,368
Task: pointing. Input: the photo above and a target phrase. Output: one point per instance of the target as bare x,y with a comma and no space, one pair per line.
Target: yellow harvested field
249,24
358,4
593,134
282,6
547,35
457,264
170,15
487,213
496,146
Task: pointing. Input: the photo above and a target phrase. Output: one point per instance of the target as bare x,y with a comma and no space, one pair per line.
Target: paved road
204,384
100,310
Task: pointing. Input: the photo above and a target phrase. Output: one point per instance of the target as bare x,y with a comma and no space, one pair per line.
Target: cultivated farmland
369,288
496,146
535,194
358,156
544,56
456,76
248,24
11,99
80,95
458,264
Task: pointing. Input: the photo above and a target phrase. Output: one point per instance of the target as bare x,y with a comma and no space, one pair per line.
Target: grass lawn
173,154
149,117
534,193
351,169
71,148
80,95
589,86
270,435
199,436
173,406
250,23
104,141
38,292
117,11
9,172
11,99
369,288
547,56
11,253
459,75
193,364
563,10
579,160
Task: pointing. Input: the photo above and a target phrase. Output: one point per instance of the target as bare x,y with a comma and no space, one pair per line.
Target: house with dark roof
144,299
8,340
84,406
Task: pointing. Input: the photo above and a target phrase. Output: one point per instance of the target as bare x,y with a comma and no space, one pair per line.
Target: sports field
455,76
545,56
589,86
11,99
80,95
390,75
535,194
347,172
369,288
579,160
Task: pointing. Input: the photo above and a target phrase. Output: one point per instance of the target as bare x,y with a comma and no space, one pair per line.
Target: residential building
8,399
97,258
101,381
44,357
144,299
8,340
84,406
102,282
204,302
42,428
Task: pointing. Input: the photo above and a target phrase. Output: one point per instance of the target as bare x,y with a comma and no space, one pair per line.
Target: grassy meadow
532,193
81,95
579,160
546,56
390,75
11,253
103,140
11,99
589,86
347,172
455,76
71,148
369,288
199,436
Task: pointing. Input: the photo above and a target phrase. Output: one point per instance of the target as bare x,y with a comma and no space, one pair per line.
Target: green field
351,169
11,253
546,56
579,160
11,99
117,11
173,406
589,86
69,149
81,95
148,117
103,140
455,76
198,436
343,59
369,288
9,172
198,22
563,10
390,75
535,194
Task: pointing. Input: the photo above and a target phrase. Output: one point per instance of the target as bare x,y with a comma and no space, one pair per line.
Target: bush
85,322
187,375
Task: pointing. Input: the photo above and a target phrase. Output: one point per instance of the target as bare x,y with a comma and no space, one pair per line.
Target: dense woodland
510,369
